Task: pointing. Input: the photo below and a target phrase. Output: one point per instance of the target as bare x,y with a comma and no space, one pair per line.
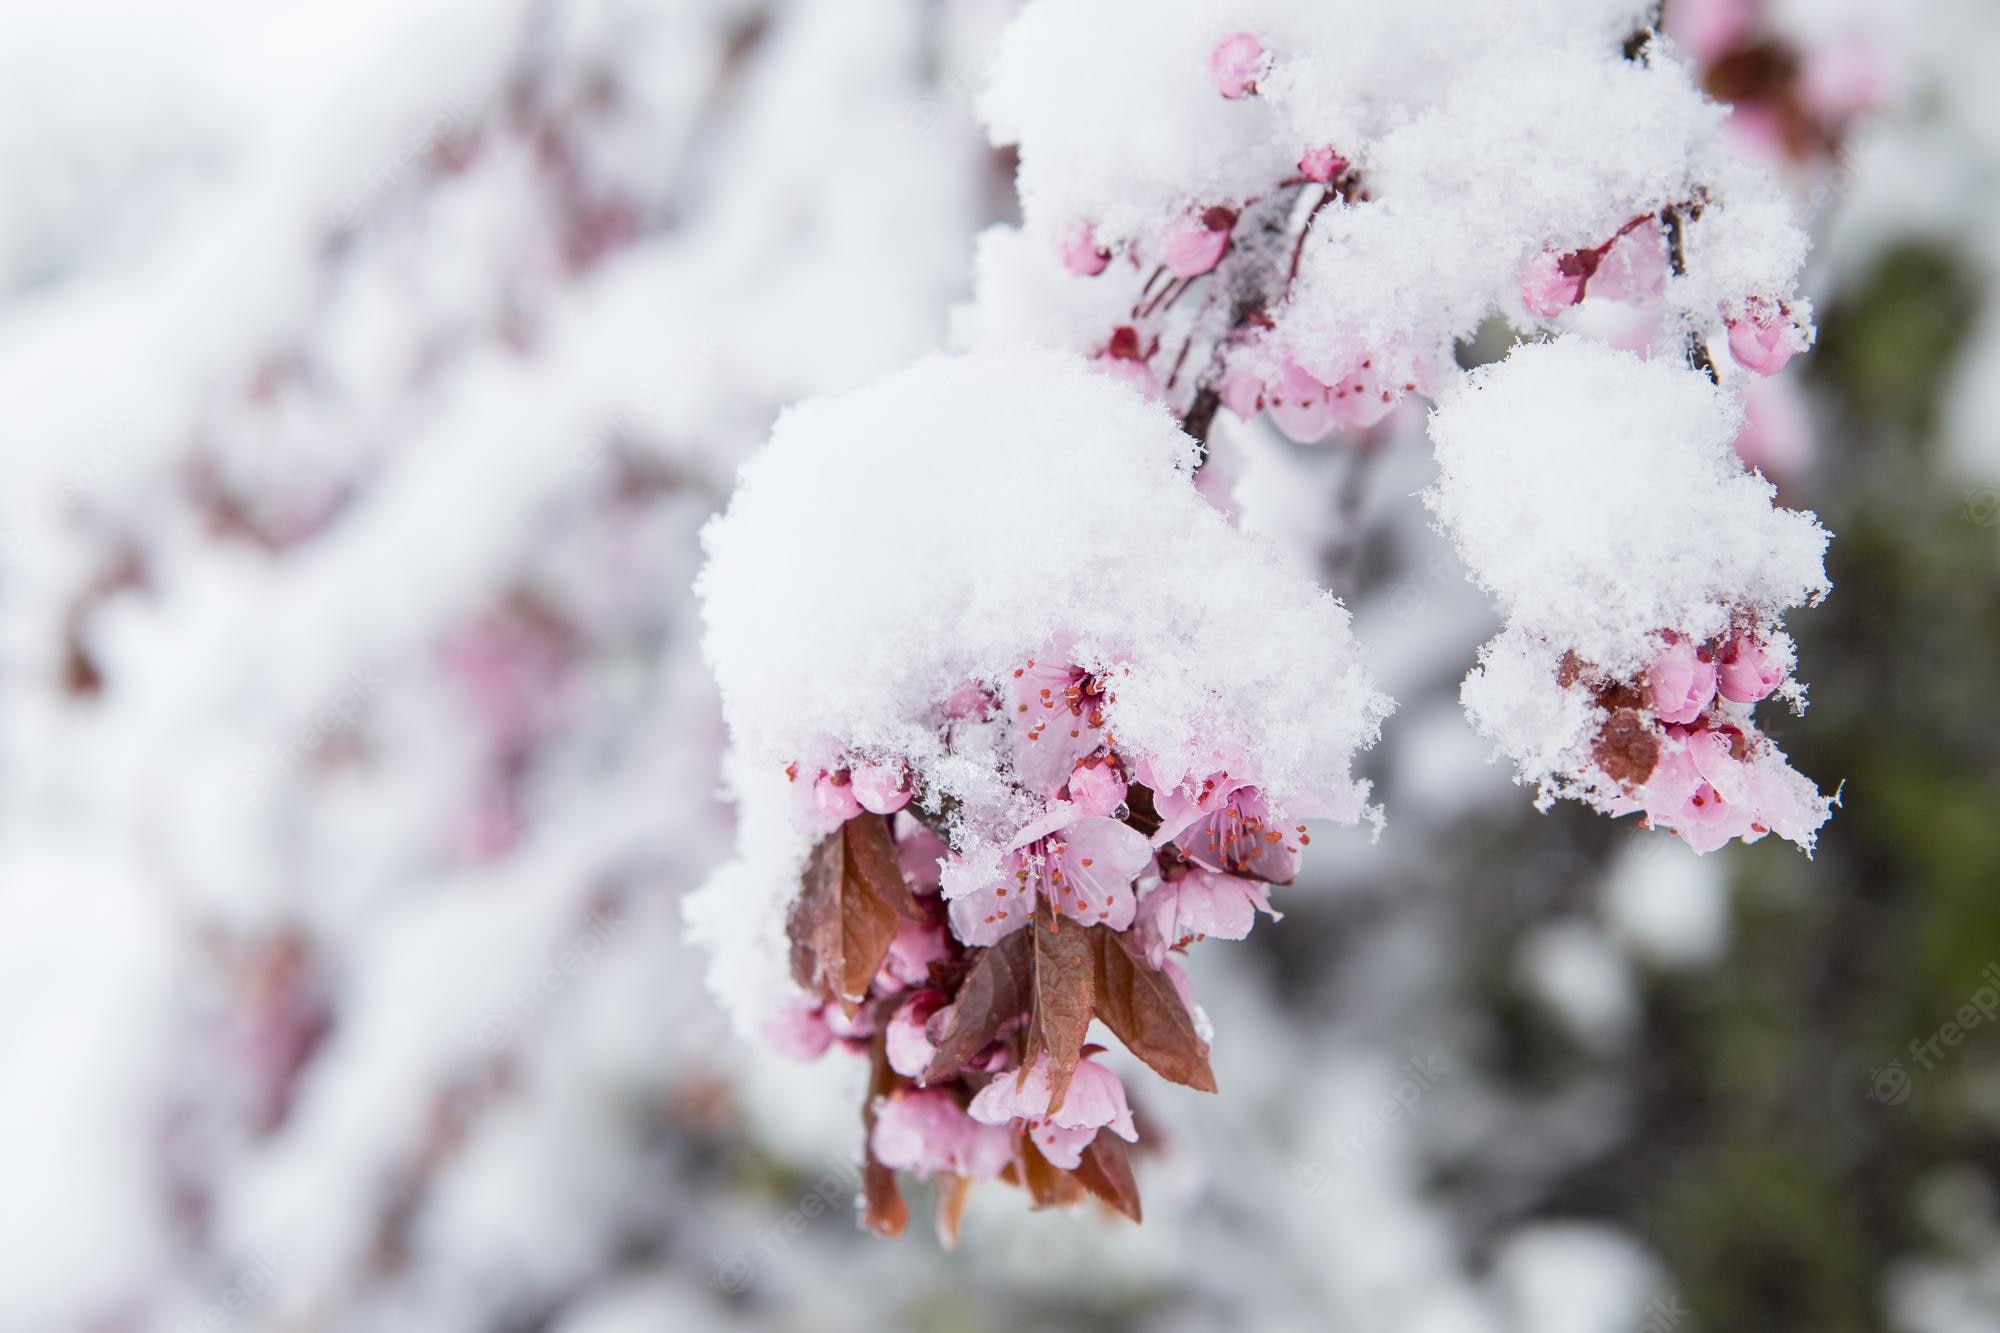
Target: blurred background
366,372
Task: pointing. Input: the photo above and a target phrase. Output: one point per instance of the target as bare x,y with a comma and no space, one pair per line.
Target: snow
1598,497
969,515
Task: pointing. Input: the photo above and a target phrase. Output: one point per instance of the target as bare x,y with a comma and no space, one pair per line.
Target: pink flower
1322,165
1237,63
916,946
1196,904
1241,838
880,788
1634,267
1096,1100
1360,400
920,853
1553,283
1097,788
797,1030
970,699
924,1130
1299,404
1196,242
1242,393
1846,77
1762,341
1777,436
1085,870
1745,672
1081,254
1059,717
909,1046
1680,685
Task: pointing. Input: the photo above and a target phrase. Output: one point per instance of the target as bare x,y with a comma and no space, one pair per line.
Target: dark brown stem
1675,223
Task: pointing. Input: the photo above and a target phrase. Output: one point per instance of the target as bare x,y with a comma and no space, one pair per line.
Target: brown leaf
952,1192
871,852
1142,1007
882,1208
846,913
996,991
1048,1186
1061,1002
1107,1172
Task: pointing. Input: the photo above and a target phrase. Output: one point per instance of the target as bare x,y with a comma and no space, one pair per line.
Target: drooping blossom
1196,904
1095,1100
1084,870
1239,836
924,1130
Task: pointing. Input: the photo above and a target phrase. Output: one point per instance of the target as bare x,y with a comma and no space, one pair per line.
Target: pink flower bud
1242,393
1746,672
880,788
1196,242
1322,165
797,1030
833,796
1124,359
909,1047
1762,343
1680,684
1236,65
1097,789
1081,254
1550,286
970,699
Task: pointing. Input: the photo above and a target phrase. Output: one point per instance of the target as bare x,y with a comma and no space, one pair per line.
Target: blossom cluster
1280,218
986,800
1642,573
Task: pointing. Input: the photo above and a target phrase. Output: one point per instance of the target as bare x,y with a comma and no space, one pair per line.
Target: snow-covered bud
1196,242
1237,63
1081,254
